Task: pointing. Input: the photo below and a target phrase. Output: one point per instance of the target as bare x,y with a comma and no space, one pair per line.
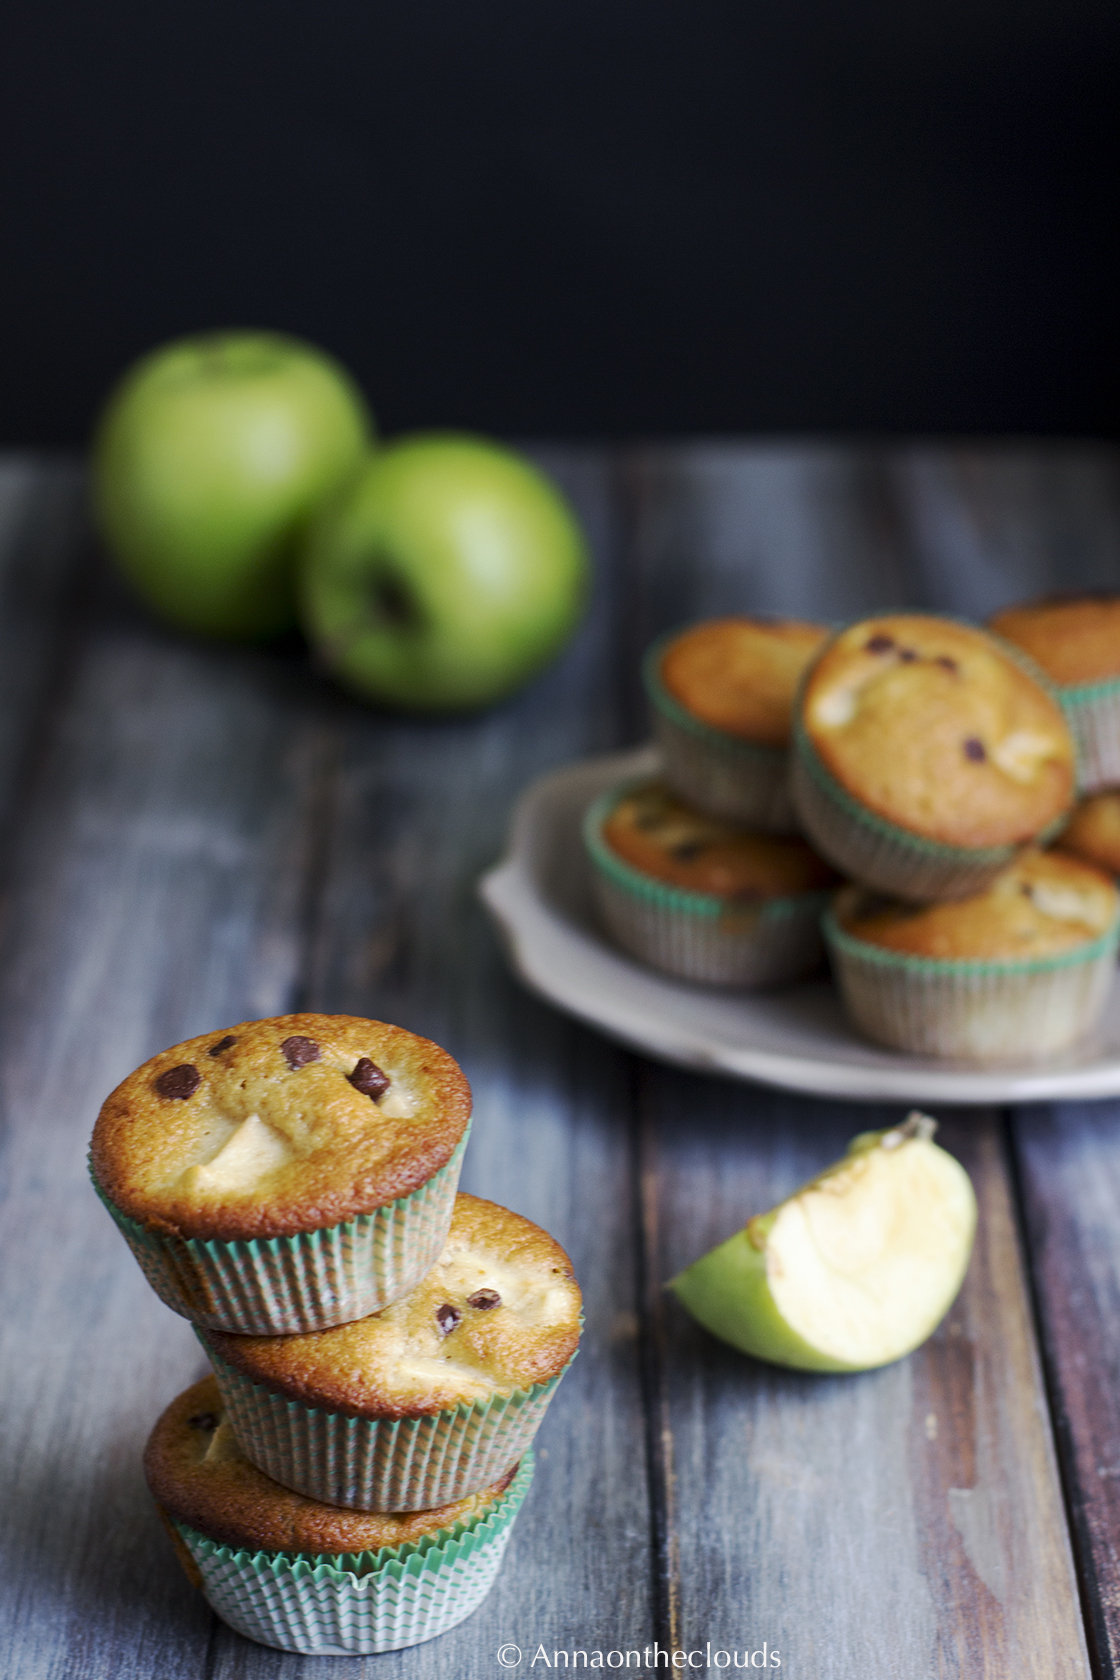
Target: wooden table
194,835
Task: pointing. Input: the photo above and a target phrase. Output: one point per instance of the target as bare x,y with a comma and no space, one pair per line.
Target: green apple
209,459
855,1269
447,573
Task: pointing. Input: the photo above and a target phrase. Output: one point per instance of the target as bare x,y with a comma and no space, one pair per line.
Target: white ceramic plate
540,897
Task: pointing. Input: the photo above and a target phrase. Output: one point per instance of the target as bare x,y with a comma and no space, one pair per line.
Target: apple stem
915,1125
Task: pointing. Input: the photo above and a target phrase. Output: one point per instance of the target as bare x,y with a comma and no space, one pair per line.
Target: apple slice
853,1270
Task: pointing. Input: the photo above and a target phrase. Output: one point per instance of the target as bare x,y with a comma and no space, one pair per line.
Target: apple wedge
853,1270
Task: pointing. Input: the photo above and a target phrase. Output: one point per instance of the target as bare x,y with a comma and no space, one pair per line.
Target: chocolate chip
297,1052
907,655
1026,889
368,1078
947,663
182,1082
974,750
204,1420
484,1299
688,849
448,1317
225,1043
879,644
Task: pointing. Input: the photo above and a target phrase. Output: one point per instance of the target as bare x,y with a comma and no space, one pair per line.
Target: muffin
926,755
428,1400
288,1174
1093,832
1016,973
1076,641
306,1577
721,695
692,895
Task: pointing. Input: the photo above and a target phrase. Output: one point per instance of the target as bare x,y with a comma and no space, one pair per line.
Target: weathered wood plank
420,809
907,1522
820,1511
154,893
43,544
1070,1166
996,523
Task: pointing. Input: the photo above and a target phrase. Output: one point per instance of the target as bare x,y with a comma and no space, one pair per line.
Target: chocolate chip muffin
926,755
691,894
721,695
428,1399
1076,641
303,1576
285,1174
1093,831
1016,973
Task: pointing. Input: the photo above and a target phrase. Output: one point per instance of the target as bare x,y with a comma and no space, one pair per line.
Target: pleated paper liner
700,936
380,1464
745,782
271,1286
879,853
359,1605
984,1012
1093,713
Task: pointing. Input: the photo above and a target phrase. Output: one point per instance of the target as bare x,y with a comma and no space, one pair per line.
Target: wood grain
907,1522
1070,1164
197,835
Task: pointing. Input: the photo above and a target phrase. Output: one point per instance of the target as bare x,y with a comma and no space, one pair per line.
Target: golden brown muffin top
279,1126
198,1473
1075,639
1042,905
499,1310
930,724
741,674
654,831
1093,832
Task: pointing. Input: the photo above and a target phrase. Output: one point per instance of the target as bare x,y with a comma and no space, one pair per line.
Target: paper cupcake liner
356,1606
380,1464
880,854
701,936
980,1012
745,782
1093,713
272,1286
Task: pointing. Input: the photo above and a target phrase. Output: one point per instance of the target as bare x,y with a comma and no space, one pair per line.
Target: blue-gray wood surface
192,835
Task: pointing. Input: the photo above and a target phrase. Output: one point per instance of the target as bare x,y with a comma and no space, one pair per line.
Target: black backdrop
576,217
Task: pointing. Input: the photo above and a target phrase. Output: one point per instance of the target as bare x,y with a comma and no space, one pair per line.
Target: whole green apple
209,459
444,575
855,1269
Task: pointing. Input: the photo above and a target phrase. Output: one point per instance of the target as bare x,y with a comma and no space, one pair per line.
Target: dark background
576,217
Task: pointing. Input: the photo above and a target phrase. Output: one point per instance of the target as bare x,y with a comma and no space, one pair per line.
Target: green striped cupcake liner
695,935
979,1012
879,853
746,782
1093,713
380,1464
274,1286
359,1605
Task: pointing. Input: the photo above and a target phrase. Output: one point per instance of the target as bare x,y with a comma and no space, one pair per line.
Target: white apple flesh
854,1270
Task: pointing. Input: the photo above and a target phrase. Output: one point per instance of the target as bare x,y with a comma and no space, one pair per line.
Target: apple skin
209,459
447,573
728,1291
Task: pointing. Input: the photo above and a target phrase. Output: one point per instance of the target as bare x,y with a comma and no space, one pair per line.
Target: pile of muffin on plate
901,792
383,1348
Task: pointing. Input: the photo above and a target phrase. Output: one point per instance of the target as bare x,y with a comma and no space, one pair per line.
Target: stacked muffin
702,873
927,762
383,1348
